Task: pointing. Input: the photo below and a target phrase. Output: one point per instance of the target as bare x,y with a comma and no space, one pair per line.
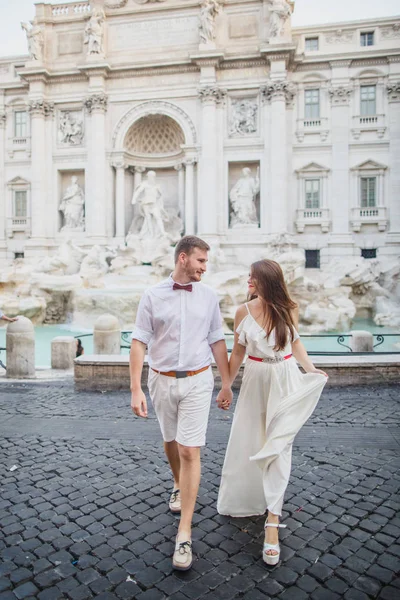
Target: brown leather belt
181,374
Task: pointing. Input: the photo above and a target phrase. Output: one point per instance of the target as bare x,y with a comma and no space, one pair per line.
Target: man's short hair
188,243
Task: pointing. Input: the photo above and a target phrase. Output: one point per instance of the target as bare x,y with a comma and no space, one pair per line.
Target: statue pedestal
245,227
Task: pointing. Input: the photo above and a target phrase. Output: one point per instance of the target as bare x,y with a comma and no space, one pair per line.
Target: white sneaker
175,502
183,557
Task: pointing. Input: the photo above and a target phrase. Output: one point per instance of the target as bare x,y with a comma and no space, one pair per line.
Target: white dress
275,401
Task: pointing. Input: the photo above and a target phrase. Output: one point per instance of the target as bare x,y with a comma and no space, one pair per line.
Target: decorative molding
393,91
190,161
116,4
280,90
391,32
96,102
41,107
119,164
3,118
371,62
212,94
340,96
143,72
243,117
313,67
339,36
242,64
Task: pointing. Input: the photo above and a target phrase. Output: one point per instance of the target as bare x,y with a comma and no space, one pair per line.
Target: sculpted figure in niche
280,11
244,117
72,206
148,198
71,129
208,12
242,197
35,38
94,32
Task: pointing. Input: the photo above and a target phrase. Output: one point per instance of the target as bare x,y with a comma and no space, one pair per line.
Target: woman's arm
238,351
299,351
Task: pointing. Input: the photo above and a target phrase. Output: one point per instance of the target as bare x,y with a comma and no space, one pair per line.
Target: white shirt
178,326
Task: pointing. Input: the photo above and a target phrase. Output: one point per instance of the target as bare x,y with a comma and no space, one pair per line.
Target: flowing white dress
275,401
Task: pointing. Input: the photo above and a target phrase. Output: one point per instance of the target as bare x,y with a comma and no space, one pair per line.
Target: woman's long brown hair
276,302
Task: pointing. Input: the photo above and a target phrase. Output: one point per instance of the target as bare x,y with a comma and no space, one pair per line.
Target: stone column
2,181
120,200
277,94
39,109
96,205
340,99
20,349
107,335
137,176
181,190
189,197
208,201
393,90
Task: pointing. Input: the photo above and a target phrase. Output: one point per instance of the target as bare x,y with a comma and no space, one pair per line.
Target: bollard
361,341
63,352
107,335
20,349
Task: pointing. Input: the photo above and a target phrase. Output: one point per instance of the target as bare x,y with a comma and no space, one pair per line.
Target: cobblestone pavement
85,512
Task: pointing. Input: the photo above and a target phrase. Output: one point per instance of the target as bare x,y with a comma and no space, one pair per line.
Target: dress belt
181,374
271,359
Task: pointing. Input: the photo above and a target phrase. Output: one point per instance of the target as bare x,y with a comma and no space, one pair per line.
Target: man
180,322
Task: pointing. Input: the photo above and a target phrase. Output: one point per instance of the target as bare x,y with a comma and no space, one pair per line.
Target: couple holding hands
179,321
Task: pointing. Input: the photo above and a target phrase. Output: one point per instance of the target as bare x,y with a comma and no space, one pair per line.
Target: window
312,44
20,204
312,259
368,192
368,100
311,104
20,124
19,254
312,193
367,38
368,252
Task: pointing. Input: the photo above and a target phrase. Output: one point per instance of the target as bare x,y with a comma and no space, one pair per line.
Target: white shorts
182,406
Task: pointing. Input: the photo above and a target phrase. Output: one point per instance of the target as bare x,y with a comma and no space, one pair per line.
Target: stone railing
67,10
373,215
313,216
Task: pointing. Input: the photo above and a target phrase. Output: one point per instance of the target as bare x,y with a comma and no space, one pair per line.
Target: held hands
224,398
139,403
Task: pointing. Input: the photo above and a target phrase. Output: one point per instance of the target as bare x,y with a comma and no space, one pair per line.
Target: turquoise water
45,333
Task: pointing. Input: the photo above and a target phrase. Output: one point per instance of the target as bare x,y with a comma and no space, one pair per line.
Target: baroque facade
251,128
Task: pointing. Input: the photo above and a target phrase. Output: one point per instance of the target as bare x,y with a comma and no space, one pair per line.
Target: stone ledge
108,372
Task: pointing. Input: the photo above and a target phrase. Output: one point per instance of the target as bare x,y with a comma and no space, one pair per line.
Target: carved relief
339,37
3,118
340,96
96,102
154,134
115,3
35,39
390,33
70,130
145,1
94,32
243,118
280,11
208,12
212,94
393,90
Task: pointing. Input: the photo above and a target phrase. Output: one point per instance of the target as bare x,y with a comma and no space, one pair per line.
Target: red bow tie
187,288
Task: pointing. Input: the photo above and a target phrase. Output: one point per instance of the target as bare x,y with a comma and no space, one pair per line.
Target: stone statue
96,264
94,32
208,12
67,261
244,117
35,39
148,198
280,11
72,206
242,197
71,129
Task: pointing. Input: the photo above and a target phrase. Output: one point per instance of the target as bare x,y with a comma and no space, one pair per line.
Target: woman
275,401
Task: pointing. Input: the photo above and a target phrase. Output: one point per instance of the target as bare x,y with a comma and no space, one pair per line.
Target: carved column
96,205
2,182
277,94
340,100
39,110
209,200
393,91
119,199
189,197
181,190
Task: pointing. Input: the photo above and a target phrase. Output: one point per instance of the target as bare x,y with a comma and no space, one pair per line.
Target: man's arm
136,360
8,319
220,353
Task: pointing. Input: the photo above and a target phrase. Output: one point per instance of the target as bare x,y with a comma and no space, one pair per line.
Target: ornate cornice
190,162
393,90
96,102
212,94
3,118
41,107
116,4
391,32
278,90
340,96
339,36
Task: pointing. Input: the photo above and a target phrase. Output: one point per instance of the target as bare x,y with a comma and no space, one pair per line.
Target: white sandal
272,559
